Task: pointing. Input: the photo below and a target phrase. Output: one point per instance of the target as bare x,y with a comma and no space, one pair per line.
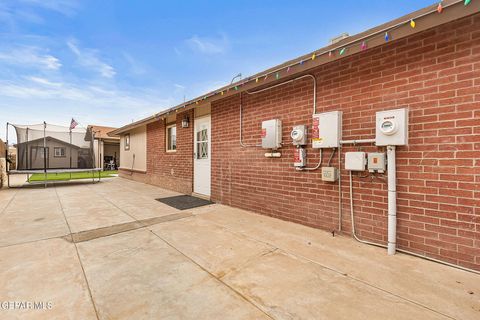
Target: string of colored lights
341,49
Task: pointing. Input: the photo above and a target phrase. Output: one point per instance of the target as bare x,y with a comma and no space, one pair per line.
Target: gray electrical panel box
327,129
272,134
355,161
376,162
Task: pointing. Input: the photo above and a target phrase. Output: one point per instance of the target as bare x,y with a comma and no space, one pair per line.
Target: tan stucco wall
138,147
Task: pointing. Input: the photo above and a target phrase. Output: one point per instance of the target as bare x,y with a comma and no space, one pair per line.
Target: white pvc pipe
392,200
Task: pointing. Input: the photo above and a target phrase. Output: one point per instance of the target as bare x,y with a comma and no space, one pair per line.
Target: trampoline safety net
46,146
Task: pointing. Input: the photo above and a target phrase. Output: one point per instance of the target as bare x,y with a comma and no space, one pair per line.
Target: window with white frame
127,141
171,138
59,152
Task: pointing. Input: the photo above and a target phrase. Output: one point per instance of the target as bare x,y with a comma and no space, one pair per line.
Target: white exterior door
202,156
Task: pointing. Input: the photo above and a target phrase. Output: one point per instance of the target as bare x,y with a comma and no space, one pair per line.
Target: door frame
209,117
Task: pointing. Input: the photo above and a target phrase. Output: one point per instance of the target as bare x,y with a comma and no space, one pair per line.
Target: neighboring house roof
48,138
425,19
101,132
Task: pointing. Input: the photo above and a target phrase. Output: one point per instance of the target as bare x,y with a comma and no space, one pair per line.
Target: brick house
431,67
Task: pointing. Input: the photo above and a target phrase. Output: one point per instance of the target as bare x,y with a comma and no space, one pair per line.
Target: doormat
184,202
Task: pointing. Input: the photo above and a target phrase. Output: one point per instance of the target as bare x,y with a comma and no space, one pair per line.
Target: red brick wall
172,170
436,74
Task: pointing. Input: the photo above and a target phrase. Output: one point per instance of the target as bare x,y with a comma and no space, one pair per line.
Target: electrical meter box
355,161
272,134
299,135
392,128
376,162
327,129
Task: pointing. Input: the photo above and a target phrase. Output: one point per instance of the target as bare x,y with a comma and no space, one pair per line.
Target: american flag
73,124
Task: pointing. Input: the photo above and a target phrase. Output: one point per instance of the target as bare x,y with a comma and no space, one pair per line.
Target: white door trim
202,158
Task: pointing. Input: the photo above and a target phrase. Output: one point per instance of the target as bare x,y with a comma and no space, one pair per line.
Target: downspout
392,200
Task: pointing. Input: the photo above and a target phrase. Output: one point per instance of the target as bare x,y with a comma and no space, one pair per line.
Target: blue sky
110,62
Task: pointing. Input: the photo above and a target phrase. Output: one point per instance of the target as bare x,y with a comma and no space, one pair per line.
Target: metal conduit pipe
352,217
274,86
317,166
243,145
357,141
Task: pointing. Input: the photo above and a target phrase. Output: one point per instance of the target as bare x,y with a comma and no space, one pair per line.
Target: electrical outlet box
376,162
299,135
355,161
272,134
327,129
329,174
392,128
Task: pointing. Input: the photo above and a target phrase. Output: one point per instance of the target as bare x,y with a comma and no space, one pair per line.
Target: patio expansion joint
299,256
218,279
87,235
78,256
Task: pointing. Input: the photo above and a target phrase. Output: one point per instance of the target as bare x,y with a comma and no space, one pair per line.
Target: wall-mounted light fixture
185,122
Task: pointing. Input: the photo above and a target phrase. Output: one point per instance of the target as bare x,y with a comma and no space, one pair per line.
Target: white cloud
65,7
136,67
208,45
40,90
44,81
89,59
30,57
13,12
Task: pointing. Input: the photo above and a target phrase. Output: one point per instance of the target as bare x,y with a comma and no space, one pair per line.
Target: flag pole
70,147
45,152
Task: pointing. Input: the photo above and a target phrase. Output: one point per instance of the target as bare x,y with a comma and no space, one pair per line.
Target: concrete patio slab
32,215
143,259
214,248
287,287
135,275
431,284
46,272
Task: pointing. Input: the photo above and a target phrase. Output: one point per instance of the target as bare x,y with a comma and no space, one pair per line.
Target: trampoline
50,149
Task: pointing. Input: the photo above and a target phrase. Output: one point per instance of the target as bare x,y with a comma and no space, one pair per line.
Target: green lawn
71,176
